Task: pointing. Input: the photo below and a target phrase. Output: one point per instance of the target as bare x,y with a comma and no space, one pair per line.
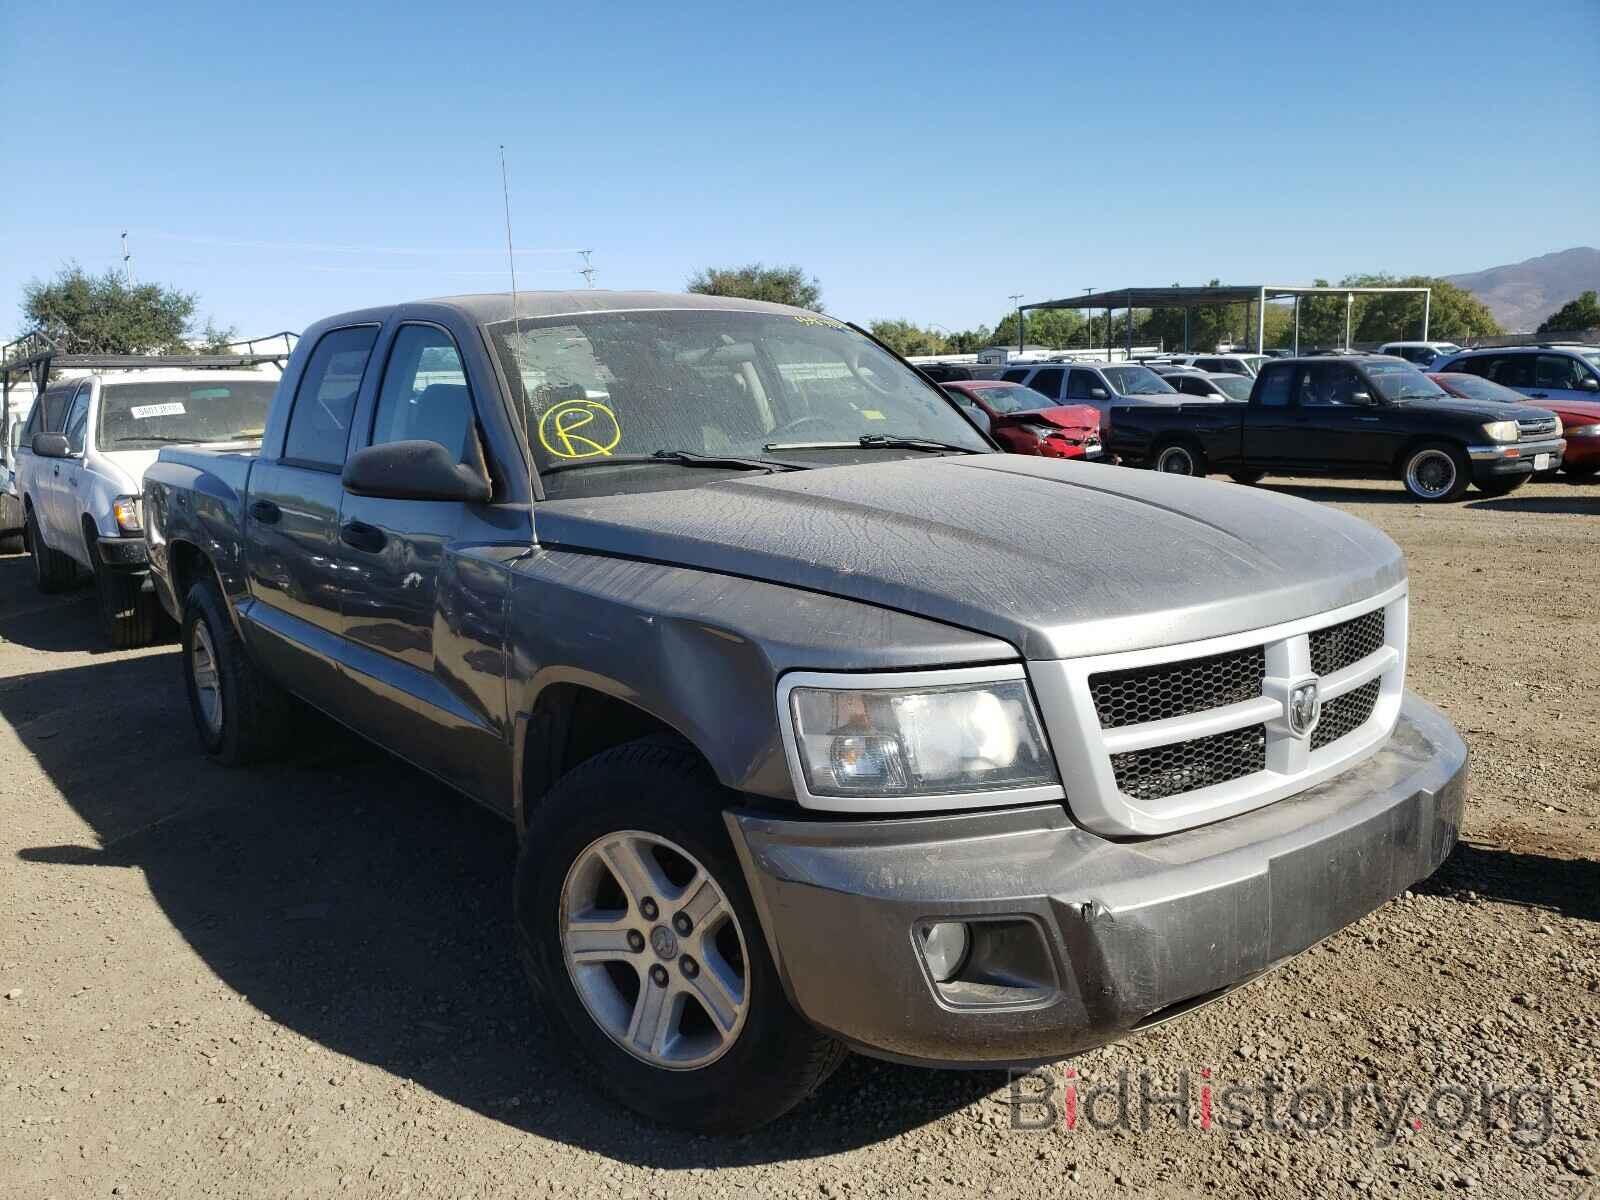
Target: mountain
1522,294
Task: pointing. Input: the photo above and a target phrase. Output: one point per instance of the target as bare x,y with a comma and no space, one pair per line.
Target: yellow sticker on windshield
579,429
872,414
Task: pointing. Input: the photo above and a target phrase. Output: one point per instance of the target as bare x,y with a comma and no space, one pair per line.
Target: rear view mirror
1099,393
413,470
51,445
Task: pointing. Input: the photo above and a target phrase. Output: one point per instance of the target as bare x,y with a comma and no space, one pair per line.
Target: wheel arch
1417,441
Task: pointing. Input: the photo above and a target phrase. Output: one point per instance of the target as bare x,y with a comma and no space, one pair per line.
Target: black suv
1357,415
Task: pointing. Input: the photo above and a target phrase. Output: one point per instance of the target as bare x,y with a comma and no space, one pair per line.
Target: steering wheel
797,424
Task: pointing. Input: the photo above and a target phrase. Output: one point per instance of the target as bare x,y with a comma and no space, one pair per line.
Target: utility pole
587,270
1016,299
127,260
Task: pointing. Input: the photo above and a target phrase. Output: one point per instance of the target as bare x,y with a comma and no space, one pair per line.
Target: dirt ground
297,981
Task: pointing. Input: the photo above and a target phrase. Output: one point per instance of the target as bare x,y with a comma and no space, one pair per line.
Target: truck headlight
1578,431
920,740
1501,431
126,511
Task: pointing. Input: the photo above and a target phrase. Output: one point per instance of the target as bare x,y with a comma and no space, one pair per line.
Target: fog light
944,947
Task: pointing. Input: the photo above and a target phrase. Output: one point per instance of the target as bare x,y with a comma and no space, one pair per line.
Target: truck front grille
1345,714
1533,427
1175,689
1346,643
1169,770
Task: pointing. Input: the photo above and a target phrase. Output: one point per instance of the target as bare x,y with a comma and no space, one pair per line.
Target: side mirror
1591,384
51,445
1099,393
1363,398
415,470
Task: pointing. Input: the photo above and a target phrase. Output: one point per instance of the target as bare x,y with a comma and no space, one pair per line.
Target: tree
1056,328
102,314
905,338
1574,316
780,285
1455,314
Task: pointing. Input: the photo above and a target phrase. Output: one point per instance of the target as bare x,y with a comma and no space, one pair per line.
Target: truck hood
1058,558
1483,410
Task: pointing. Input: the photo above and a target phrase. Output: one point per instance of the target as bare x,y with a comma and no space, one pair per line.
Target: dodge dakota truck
1369,416
823,725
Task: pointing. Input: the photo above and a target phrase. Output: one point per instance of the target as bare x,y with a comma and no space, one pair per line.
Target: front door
292,521
70,483
1336,421
420,611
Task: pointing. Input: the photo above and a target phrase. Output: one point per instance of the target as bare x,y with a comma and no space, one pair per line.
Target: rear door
411,624
292,520
1049,382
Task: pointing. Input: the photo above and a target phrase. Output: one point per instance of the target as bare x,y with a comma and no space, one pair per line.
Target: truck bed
1217,426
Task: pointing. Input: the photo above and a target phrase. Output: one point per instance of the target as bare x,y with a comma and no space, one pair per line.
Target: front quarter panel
703,652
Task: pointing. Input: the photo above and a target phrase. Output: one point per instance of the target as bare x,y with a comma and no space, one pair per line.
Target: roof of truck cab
486,309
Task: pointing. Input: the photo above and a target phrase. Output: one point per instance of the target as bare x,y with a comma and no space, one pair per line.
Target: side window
1014,375
1272,391
319,422
1048,381
1513,370
1079,385
77,420
1558,371
1483,365
54,405
424,395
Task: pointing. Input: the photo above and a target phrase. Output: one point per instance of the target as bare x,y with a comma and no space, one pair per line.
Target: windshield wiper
875,441
683,458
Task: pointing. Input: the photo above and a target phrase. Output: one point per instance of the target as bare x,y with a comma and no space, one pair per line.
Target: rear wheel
52,570
1584,471
240,714
130,614
642,943
1504,486
1180,458
1436,473
1247,477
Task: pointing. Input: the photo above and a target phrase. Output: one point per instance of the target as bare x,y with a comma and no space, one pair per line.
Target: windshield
1237,386
1592,355
1012,398
619,386
142,416
1475,387
1135,381
1402,381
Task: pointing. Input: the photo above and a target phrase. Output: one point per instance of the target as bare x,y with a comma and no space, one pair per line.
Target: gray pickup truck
823,725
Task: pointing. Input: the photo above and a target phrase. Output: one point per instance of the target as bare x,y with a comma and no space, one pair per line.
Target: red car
1579,418
1024,421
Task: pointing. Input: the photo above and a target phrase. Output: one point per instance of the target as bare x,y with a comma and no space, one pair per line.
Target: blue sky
924,161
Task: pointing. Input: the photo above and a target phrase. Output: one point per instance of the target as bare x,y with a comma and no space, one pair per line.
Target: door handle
1370,420
266,512
1540,395
361,536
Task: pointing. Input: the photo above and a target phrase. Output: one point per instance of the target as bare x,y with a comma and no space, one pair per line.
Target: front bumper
11,514
124,553
1514,458
1132,932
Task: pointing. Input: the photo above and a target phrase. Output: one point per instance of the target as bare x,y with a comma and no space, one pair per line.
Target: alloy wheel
1431,473
203,671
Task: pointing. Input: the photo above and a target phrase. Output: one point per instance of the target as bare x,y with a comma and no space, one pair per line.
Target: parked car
1549,372
79,461
1097,384
1580,419
1191,382
1423,354
821,722
11,512
1233,363
1372,416
1023,421
946,372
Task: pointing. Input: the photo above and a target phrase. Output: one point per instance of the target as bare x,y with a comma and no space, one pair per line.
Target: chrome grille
1177,689
1347,643
1345,714
1536,426
1188,766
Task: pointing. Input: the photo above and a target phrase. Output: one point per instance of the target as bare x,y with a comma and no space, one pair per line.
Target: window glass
1513,370
1048,381
1237,387
1012,398
424,396
1080,385
194,411
1330,386
54,406
1273,390
1014,375
77,420
1558,371
319,423
1136,381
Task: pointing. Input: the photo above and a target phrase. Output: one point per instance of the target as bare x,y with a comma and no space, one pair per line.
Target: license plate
1541,462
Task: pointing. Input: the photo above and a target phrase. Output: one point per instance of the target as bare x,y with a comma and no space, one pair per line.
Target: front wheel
1583,470
129,612
1504,485
1180,458
1436,473
642,943
1248,477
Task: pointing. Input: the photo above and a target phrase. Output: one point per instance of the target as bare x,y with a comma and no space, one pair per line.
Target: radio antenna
511,255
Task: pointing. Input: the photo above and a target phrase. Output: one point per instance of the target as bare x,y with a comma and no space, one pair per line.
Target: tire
1584,471
1248,478
1179,458
251,715
1436,472
659,796
1503,487
13,543
52,571
130,614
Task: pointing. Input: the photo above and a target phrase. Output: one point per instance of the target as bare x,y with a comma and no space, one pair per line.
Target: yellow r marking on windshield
558,429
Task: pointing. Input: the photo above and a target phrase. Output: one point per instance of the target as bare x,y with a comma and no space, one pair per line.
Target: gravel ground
296,981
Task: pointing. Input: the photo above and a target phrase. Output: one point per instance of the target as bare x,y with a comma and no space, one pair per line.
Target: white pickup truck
80,460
